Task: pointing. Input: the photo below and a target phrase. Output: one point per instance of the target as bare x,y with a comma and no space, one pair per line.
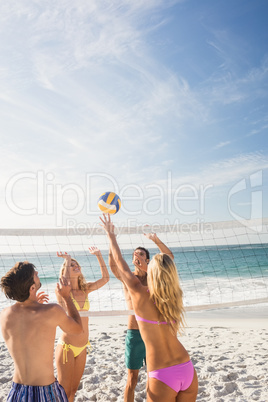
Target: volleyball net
220,264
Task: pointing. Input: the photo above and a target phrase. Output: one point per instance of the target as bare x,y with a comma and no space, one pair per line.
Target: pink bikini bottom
177,377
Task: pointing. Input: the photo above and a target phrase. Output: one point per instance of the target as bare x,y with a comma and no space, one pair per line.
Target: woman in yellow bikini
71,350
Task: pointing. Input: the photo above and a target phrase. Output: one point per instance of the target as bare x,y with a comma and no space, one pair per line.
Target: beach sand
228,347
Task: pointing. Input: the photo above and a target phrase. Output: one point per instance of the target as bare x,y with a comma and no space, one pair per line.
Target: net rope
220,264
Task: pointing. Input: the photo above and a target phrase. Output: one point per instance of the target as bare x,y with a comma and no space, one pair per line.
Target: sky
164,102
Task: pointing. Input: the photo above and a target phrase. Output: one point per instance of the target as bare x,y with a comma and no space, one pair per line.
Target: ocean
208,275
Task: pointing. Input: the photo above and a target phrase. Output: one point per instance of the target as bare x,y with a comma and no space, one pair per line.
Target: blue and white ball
109,203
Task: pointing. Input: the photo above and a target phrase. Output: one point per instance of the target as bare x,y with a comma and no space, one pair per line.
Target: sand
228,347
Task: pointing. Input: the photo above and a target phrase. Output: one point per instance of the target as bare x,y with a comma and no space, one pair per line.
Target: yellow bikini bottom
75,349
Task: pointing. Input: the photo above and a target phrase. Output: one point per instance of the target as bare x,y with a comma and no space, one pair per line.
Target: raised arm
123,269
113,266
67,261
104,271
70,323
162,247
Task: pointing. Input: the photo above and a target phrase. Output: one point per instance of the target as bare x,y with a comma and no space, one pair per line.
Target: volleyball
109,203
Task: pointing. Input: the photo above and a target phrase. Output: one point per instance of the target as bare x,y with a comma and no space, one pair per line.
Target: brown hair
18,280
143,249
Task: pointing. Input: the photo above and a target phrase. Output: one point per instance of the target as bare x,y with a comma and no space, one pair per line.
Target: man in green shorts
135,353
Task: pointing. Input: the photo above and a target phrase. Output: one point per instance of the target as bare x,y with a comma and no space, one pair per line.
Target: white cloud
83,89
222,144
257,131
124,91
224,172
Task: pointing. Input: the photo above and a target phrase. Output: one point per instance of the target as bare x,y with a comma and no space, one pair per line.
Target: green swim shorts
134,350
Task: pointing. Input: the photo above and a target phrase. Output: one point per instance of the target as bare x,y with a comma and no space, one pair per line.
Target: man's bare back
29,327
29,331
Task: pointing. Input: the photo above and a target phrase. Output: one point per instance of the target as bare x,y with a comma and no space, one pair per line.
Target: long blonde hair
165,291
65,271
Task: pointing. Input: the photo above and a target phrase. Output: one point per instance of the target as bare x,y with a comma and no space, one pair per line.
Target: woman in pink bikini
71,350
159,311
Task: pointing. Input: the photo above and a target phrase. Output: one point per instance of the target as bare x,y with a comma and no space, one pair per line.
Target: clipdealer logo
38,193
252,185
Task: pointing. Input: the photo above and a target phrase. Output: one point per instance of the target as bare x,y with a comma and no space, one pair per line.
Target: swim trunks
29,393
134,350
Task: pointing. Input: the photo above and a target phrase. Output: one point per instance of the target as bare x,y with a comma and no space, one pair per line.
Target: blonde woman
159,311
71,350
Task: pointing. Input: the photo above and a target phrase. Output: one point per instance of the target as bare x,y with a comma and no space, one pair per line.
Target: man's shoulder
7,315
5,312
8,310
50,311
52,307
37,307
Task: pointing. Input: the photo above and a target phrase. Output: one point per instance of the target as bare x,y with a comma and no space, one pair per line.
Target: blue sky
164,102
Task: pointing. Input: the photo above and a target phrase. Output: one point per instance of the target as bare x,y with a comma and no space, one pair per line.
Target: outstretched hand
107,225
94,250
63,288
42,297
151,236
65,255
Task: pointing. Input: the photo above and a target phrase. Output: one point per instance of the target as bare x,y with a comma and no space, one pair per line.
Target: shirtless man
134,347
29,330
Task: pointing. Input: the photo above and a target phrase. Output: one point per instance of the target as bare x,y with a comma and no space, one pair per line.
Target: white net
220,264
